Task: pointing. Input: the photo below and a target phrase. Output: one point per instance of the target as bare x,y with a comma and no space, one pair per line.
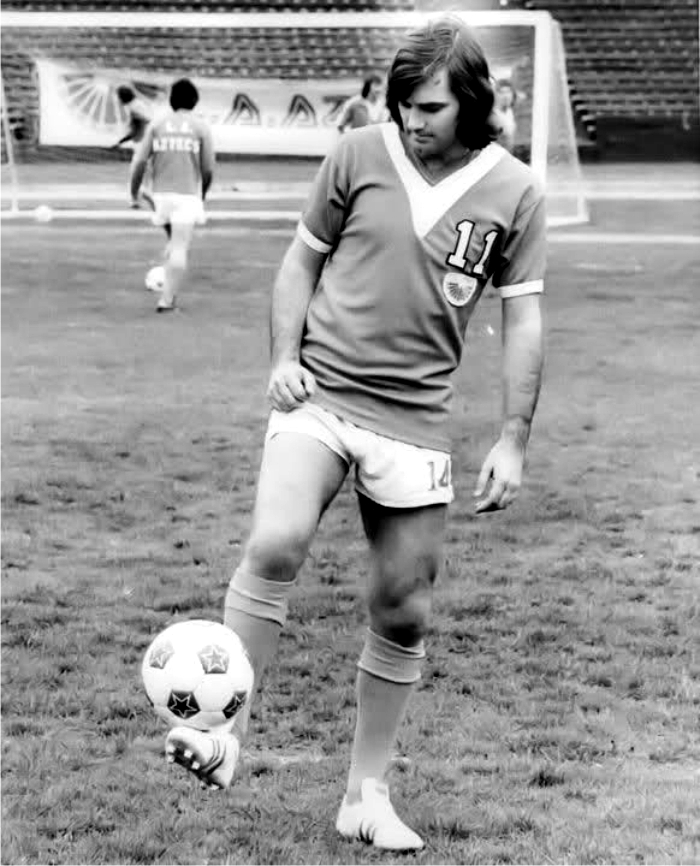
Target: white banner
79,108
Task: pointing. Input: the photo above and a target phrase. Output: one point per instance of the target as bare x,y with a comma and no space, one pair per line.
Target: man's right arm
290,384
346,114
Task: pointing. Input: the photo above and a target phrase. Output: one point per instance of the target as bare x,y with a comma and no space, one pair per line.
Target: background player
405,225
365,108
504,110
179,148
139,115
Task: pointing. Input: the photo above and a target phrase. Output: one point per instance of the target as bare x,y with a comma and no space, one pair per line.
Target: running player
179,148
139,115
366,107
406,224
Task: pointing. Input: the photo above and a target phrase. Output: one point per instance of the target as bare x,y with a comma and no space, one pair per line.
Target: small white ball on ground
155,279
43,214
490,331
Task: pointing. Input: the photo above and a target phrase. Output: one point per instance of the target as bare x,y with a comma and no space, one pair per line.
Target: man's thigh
299,477
405,542
406,551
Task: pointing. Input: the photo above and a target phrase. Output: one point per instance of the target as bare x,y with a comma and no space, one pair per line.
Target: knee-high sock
256,609
385,680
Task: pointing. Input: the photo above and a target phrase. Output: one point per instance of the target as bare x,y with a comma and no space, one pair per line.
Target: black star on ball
183,704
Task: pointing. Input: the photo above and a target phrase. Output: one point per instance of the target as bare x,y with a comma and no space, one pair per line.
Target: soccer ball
155,279
43,214
197,673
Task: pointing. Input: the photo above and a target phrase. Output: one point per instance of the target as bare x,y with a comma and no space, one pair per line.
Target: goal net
272,85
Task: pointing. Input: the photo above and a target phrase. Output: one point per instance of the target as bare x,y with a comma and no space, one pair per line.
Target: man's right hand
290,386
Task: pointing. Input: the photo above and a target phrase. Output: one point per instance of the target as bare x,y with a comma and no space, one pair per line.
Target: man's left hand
500,477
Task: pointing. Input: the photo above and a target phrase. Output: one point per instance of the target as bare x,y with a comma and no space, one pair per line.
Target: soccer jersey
180,146
407,263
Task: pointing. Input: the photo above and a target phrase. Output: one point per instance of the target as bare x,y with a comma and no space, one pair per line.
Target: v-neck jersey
407,262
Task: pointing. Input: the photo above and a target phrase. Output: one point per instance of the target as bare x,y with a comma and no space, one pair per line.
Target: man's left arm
520,279
523,361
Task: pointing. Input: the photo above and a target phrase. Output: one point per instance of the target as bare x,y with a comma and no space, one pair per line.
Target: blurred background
622,80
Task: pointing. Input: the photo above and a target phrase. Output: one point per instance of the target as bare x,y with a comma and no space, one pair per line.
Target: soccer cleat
373,820
147,198
166,306
211,755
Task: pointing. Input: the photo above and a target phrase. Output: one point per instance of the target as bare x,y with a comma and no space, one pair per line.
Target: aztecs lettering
173,143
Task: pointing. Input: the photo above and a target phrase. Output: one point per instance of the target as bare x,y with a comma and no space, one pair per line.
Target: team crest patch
458,288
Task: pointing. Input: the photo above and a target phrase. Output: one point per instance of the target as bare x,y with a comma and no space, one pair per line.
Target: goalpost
271,85
7,152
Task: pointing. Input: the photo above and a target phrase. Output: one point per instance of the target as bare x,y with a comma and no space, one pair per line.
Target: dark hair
372,78
183,94
449,44
125,94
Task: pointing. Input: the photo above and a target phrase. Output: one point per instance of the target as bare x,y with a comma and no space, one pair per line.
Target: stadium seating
631,62
628,60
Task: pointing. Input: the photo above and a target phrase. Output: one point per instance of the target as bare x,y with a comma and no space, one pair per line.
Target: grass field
558,717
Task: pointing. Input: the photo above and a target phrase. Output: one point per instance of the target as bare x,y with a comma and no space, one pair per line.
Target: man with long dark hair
406,224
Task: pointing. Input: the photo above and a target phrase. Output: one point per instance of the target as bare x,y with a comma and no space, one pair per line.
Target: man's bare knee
401,613
275,555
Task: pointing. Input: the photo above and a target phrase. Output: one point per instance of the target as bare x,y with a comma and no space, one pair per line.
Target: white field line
555,236
127,215
46,194
299,191
622,238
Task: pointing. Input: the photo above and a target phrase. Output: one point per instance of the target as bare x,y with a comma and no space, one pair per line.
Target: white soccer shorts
174,207
393,473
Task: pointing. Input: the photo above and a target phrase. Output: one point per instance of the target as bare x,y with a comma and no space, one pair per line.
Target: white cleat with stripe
373,820
211,755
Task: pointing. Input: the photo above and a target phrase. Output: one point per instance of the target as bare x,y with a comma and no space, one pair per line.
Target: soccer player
504,112
180,150
138,112
365,108
406,223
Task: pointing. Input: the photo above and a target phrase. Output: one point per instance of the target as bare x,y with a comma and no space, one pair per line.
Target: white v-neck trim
430,202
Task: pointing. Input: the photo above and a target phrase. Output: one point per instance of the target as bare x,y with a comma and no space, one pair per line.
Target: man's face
429,117
505,97
375,91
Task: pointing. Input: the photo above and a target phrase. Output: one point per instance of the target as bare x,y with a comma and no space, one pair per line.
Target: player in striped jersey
406,224
179,148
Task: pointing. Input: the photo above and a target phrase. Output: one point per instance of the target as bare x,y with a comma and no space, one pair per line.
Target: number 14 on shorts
440,473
